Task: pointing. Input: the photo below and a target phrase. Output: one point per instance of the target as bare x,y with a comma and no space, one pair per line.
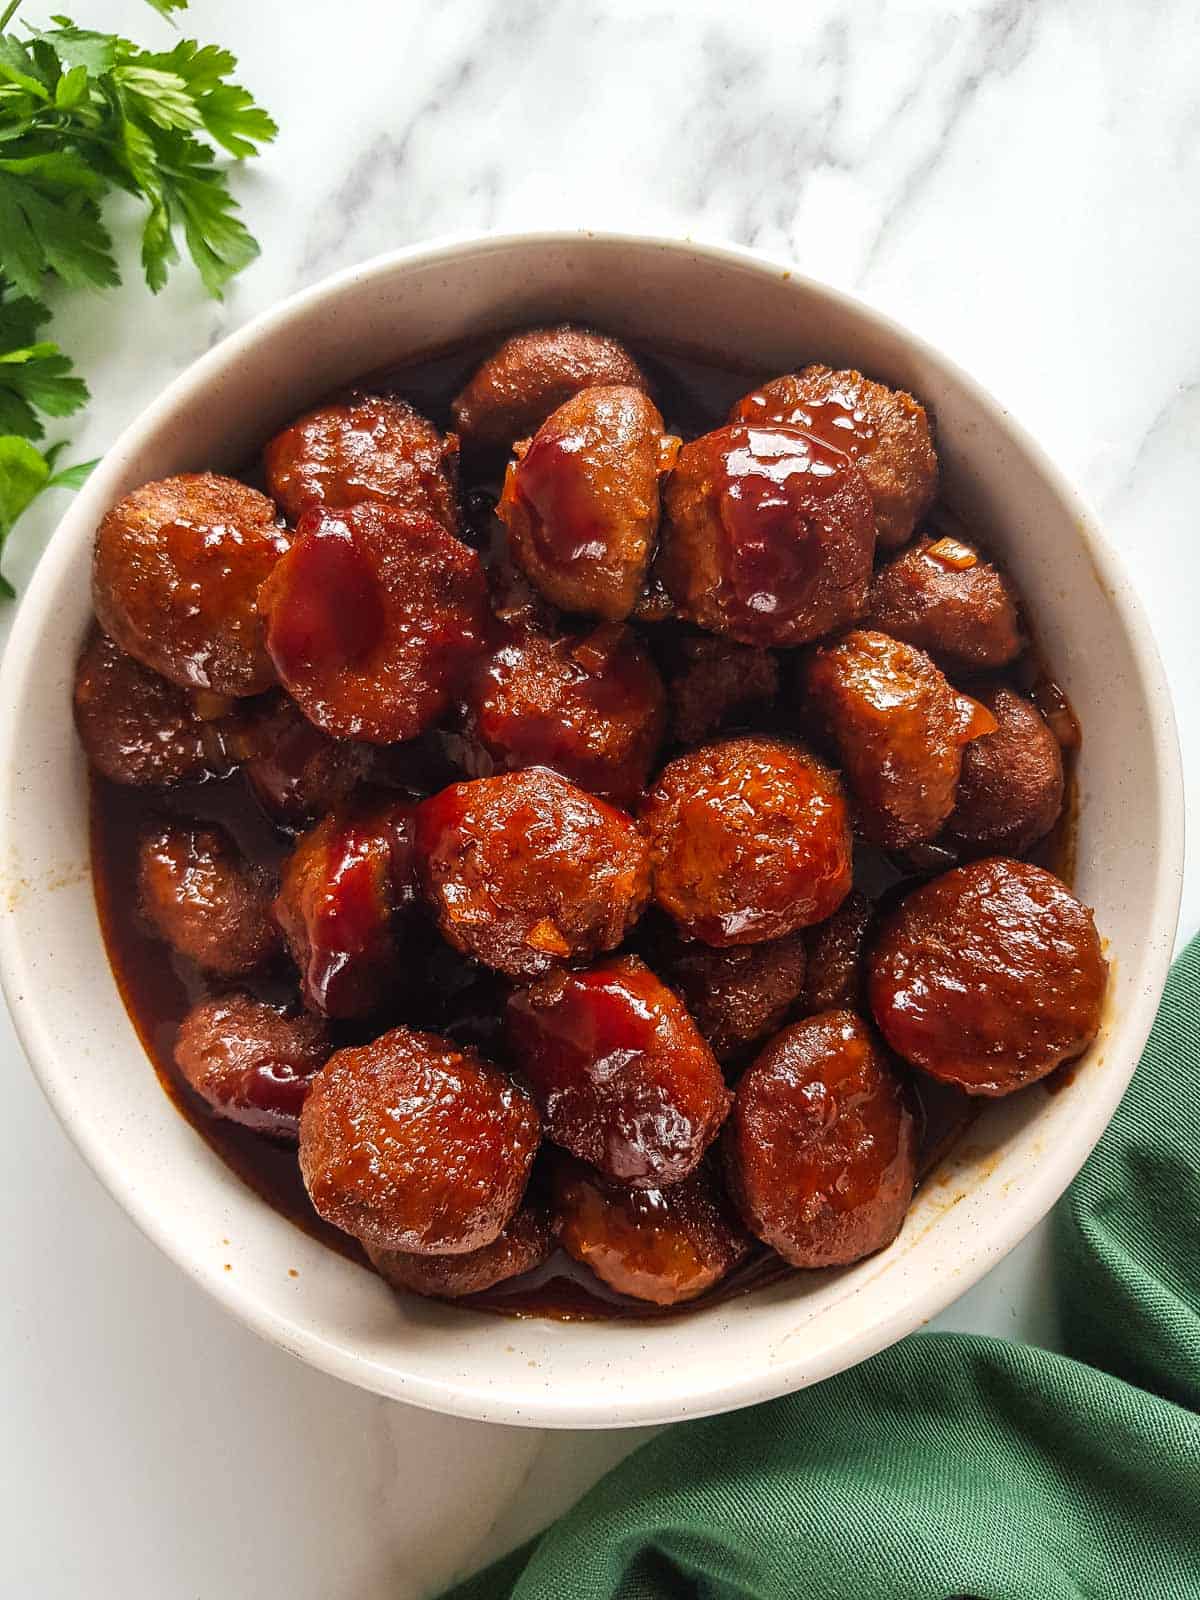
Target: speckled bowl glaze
1016,1160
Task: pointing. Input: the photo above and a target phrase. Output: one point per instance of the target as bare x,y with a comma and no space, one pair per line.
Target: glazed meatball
175,577
749,840
525,1242
883,430
899,729
296,771
374,618
768,536
589,706
251,1062
409,1143
740,995
135,726
661,1245
712,682
532,374
1011,789
343,887
525,871
199,894
820,1148
373,448
837,976
620,1072
989,976
942,595
581,502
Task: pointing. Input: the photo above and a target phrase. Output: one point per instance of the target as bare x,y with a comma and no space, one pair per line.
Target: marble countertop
1018,182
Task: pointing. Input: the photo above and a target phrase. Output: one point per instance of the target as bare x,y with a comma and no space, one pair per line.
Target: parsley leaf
70,477
47,225
218,243
18,67
79,47
33,378
157,97
227,111
24,473
83,113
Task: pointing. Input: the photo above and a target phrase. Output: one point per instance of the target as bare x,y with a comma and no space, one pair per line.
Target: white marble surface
1019,182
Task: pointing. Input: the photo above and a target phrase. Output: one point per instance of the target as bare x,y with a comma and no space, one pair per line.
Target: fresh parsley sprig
81,114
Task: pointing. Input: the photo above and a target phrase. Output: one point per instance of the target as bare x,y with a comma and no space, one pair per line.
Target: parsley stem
10,12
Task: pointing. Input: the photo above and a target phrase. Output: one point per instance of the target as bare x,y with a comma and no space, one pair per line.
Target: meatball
942,595
376,447
410,1143
199,894
661,1245
1011,789
581,502
820,1148
749,840
175,576
589,706
620,1072
712,682
135,726
525,871
989,976
740,995
524,1243
251,1062
883,430
374,618
342,888
899,728
768,536
532,374
296,771
837,976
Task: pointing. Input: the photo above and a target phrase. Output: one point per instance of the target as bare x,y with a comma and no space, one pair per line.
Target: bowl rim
471,1397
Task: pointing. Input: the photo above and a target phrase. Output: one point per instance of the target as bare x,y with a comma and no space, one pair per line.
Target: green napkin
950,1464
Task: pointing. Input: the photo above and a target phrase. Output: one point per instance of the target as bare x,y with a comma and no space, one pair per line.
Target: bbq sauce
458,997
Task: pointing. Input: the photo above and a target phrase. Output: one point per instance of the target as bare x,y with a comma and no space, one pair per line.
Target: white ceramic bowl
1016,1160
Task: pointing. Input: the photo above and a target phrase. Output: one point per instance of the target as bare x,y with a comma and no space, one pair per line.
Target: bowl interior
1017,1158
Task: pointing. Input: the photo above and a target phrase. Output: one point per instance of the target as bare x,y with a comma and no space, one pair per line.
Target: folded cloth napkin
952,1465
